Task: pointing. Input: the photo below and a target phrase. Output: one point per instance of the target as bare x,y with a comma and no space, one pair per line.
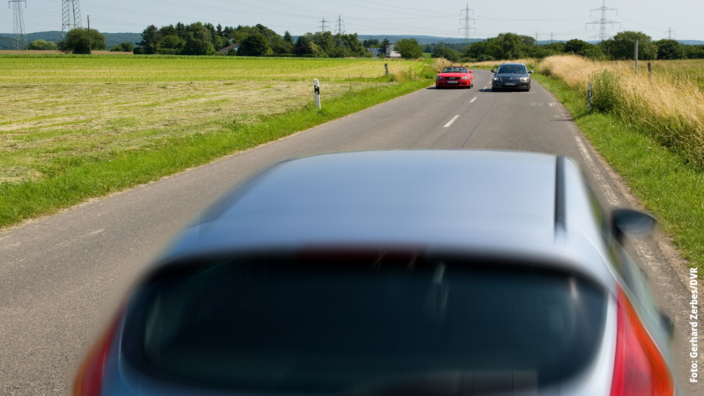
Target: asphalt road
61,276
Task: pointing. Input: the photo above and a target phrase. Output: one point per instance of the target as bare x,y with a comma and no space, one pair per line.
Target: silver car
394,273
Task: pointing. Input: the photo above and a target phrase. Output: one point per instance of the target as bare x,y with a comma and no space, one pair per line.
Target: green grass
79,177
43,69
660,178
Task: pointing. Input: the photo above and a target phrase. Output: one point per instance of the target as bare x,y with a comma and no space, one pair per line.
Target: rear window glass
318,326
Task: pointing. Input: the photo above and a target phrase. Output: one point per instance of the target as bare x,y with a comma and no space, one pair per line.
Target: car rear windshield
277,324
512,69
454,70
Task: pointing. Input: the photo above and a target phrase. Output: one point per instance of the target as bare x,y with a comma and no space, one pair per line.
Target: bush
42,45
606,93
124,47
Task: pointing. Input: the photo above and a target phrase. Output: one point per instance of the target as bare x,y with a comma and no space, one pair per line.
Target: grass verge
661,179
85,178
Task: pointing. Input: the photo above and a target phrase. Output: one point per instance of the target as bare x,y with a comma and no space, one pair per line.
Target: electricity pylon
603,21
71,16
467,20
670,33
323,25
340,25
18,24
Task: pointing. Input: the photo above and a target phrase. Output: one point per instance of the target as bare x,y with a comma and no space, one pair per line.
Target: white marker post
589,97
316,87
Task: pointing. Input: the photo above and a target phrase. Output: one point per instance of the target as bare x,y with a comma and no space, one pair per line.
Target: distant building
390,53
228,48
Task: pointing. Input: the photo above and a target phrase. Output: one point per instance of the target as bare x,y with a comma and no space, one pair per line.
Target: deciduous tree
76,41
254,45
622,46
670,49
409,48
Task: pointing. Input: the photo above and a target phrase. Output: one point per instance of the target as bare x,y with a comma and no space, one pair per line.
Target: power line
71,16
603,21
323,25
18,24
467,20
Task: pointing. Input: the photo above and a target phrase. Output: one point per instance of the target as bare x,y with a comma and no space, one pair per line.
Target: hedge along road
63,275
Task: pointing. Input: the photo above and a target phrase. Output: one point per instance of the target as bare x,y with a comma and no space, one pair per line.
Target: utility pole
536,37
18,24
552,37
71,16
340,25
90,43
603,21
323,25
467,21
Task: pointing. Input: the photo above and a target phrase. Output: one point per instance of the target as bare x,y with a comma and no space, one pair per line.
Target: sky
563,19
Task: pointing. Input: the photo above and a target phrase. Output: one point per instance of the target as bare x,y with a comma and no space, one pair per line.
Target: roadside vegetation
650,128
89,126
511,46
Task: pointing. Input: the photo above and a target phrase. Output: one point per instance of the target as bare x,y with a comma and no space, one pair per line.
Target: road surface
61,276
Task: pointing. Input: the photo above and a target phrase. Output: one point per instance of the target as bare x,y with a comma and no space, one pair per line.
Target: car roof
484,201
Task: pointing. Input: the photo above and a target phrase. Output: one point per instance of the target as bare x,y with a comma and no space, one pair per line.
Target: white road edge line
608,192
452,120
646,255
475,98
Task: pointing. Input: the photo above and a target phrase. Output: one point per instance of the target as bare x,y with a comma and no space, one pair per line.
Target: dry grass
670,106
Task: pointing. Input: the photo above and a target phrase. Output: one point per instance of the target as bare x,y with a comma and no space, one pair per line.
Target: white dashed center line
475,98
452,120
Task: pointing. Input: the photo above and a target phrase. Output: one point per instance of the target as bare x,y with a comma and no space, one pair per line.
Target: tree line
258,40
206,39
620,47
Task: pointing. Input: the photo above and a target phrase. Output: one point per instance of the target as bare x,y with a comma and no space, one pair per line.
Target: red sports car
454,76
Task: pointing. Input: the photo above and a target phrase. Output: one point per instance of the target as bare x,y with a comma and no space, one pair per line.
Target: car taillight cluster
640,369
89,380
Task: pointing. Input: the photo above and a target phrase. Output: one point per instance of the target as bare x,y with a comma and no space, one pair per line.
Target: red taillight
89,380
640,369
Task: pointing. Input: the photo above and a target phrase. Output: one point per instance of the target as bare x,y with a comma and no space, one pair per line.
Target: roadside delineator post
589,97
316,88
386,67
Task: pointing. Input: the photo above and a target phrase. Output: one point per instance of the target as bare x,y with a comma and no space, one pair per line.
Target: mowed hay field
59,111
